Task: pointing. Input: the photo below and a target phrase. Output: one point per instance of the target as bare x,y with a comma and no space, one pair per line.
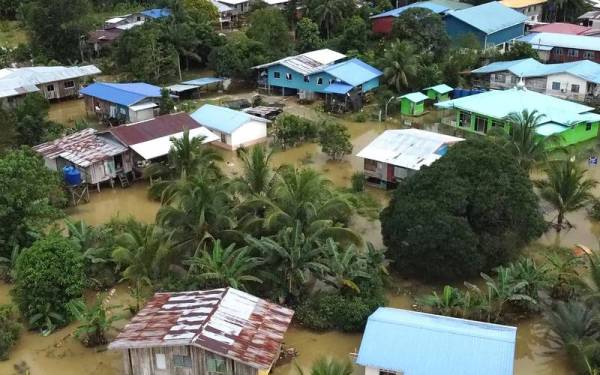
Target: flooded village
331,187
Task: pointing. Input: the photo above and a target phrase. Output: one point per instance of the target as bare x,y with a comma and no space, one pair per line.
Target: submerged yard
60,353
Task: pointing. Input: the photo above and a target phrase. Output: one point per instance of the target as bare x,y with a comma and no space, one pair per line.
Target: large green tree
269,27
30,192
307,36
237,56
423,28
468,212
400,65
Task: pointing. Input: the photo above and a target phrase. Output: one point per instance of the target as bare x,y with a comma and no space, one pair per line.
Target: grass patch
12,34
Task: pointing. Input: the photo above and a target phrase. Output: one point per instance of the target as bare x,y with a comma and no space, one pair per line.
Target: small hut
413,104
439,93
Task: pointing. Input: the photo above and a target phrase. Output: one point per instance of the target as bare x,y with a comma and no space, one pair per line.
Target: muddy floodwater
67,112
60,354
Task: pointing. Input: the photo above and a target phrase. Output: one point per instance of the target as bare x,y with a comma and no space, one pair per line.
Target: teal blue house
492,24
321,72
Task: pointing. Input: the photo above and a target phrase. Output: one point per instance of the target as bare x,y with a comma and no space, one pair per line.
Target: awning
161,146
203,81
141,107
337,88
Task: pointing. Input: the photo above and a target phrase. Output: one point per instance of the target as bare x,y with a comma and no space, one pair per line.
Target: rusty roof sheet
227,322
157,127
83,148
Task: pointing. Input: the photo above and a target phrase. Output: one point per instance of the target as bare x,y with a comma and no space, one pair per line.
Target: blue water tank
72,175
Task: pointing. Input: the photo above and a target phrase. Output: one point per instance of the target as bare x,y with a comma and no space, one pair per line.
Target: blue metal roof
353,72
415,97
157,13
489,17
337,88
550,128
584,69
555,110
203,81
221,119
126,94
416,343
435,8
550,40
440,89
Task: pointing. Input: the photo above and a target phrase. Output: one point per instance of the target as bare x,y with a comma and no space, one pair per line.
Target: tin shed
413,104
439,93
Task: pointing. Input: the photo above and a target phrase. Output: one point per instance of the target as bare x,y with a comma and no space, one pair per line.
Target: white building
239,6
235,129
397,154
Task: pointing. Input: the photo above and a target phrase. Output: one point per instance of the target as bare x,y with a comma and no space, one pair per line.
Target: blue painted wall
371,85
457,29
506,35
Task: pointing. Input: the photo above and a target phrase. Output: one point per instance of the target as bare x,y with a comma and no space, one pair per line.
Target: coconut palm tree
400,62
345,266
572,322
591,281
225,266
293,259
330,366
523,140
330,13
258,177
566,188
95,320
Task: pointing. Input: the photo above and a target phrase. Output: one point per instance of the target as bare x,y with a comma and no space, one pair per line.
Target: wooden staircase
123,179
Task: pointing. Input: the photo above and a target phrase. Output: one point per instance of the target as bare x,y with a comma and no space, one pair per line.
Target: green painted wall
431,94
411,109
437,97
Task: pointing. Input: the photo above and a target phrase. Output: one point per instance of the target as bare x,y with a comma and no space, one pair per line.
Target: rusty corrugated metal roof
83,148
227,322
155,128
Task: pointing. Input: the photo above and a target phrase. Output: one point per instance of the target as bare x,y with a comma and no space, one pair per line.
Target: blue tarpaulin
337,88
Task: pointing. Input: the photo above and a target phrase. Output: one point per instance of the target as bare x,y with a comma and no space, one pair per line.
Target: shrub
10,330
594,211
469,211
291,131
358,182
334,139
48,275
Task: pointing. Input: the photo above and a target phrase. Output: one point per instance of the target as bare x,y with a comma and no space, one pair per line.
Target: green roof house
439,93
479,113
413,104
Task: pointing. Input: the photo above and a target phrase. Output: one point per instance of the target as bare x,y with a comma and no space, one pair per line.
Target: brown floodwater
60,354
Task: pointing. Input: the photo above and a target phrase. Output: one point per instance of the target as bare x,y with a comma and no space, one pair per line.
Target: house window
182,361
481,125
514,79
464,120
307,79
370,165
556,86
276,75
288,76
500,78
69,84
50,88
216,366
572,52
161,361
588,126
575,88
319,81
558,51
386,372
589,55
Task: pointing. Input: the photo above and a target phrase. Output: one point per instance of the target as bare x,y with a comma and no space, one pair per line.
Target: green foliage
166,104
330,366
422,28
269,27
201,10
329,14
334,139
290,131
307,36
400,65
354,35
518,51
56,26
49,274
594,211
470,211
258,177
10,330
358,182
31,193
237,56
95,320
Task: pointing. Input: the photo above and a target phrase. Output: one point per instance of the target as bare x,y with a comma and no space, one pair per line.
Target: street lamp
386,105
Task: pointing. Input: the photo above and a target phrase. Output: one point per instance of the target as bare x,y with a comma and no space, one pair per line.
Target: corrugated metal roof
561,28
157,127
490,17
584,69
407,148
160,146
15,87
440,89
233,2
452,5
353,71
517,4
517,100
177,88
222,119
415,97
227,322
276,2
309,62
83,148
157,13
550,128
551,40
337,88
415,343
434,7
222,8
126,94
203,81
104,35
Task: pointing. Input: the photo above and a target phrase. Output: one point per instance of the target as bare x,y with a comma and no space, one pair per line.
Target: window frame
182,361
277,75
555,83
461,123
219,364
288,76
497,77
588,126
573,86
50,87
307,79
479,120
319,80
370,165
71,84
589,55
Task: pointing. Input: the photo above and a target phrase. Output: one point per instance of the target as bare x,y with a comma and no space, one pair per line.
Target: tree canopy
468,212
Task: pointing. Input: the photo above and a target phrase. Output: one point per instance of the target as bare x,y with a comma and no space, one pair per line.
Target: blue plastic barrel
72,175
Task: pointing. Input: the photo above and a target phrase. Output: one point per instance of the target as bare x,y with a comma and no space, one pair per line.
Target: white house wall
566,82
248,134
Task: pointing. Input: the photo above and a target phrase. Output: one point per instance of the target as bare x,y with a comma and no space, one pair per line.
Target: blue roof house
235,129
320,72
414,343
156,13
492,24
118,103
